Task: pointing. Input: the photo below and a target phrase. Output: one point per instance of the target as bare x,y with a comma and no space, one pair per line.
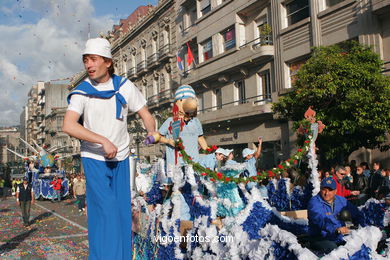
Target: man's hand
260,140
171,142
355,192
18,203
33,201
110,149
343,230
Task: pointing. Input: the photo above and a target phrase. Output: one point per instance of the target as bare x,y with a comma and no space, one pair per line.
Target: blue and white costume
104,107
231,203
192,130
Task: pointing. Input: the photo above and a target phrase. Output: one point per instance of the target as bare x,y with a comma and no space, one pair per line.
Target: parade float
41,170
228,222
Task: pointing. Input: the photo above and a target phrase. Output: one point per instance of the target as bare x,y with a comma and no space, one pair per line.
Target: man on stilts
102,101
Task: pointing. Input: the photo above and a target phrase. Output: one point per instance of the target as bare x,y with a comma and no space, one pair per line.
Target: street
57,231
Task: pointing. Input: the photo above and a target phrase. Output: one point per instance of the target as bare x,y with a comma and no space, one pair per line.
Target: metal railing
386,67
141,66
160,97
131,72
261,40
264,98
164,51
152,59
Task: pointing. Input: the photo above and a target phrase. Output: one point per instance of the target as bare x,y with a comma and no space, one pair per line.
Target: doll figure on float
183,124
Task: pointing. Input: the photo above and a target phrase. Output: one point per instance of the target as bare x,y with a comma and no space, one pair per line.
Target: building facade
9,138
246,54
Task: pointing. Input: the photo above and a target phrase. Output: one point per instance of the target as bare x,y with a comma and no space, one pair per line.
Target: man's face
328,194
376,166
359,170
96,67
340,174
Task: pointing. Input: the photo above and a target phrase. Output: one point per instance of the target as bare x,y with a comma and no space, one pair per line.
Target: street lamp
138,134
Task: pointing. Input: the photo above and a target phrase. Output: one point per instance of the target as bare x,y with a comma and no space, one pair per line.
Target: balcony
141,67
165,96
153,60
165,52
380,6
131,73
161,98
264,40
246,107
152,100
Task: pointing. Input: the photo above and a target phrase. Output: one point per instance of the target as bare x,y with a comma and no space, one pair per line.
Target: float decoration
308,128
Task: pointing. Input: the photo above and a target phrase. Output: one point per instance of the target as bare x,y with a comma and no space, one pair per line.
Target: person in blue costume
231,203
251,157
103,101
230,157
184,125
211,160
325,226
169,195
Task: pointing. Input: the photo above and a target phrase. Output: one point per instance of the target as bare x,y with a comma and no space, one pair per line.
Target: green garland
219,176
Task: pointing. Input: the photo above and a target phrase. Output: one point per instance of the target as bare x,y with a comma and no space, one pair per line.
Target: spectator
387,178
353,166
360,183
24,199
57,184
366,169
2,188
79,190
325,229
340,183
348,178
375,181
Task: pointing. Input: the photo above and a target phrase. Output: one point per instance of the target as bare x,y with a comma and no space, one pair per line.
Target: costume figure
103,101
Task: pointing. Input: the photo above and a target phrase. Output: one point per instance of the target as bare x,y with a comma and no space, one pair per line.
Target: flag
190,57
180,59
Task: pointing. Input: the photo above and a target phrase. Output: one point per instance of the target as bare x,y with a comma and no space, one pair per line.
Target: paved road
58,231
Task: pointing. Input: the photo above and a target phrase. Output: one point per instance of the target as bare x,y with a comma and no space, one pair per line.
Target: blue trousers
109,209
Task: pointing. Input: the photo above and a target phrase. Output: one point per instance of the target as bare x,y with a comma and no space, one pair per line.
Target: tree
343,83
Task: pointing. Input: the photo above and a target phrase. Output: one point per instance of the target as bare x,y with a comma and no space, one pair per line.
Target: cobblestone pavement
57,231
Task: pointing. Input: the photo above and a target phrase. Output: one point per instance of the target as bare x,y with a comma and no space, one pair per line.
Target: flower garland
208,150
219,176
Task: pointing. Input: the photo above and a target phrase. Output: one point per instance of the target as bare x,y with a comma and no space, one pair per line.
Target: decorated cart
251,226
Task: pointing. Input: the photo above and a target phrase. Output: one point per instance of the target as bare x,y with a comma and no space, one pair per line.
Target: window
218,98
293,69
205,6
265,88
207,49
297,10
240,85
201,102
330,3
229,38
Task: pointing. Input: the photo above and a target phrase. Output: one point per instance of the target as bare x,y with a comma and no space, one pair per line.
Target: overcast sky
42,40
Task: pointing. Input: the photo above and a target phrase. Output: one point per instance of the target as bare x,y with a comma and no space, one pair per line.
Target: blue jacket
323,220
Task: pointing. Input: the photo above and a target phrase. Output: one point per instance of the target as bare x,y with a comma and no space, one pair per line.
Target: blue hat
25,178
328,183
184,92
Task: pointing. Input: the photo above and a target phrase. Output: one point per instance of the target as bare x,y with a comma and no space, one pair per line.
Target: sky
42,40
